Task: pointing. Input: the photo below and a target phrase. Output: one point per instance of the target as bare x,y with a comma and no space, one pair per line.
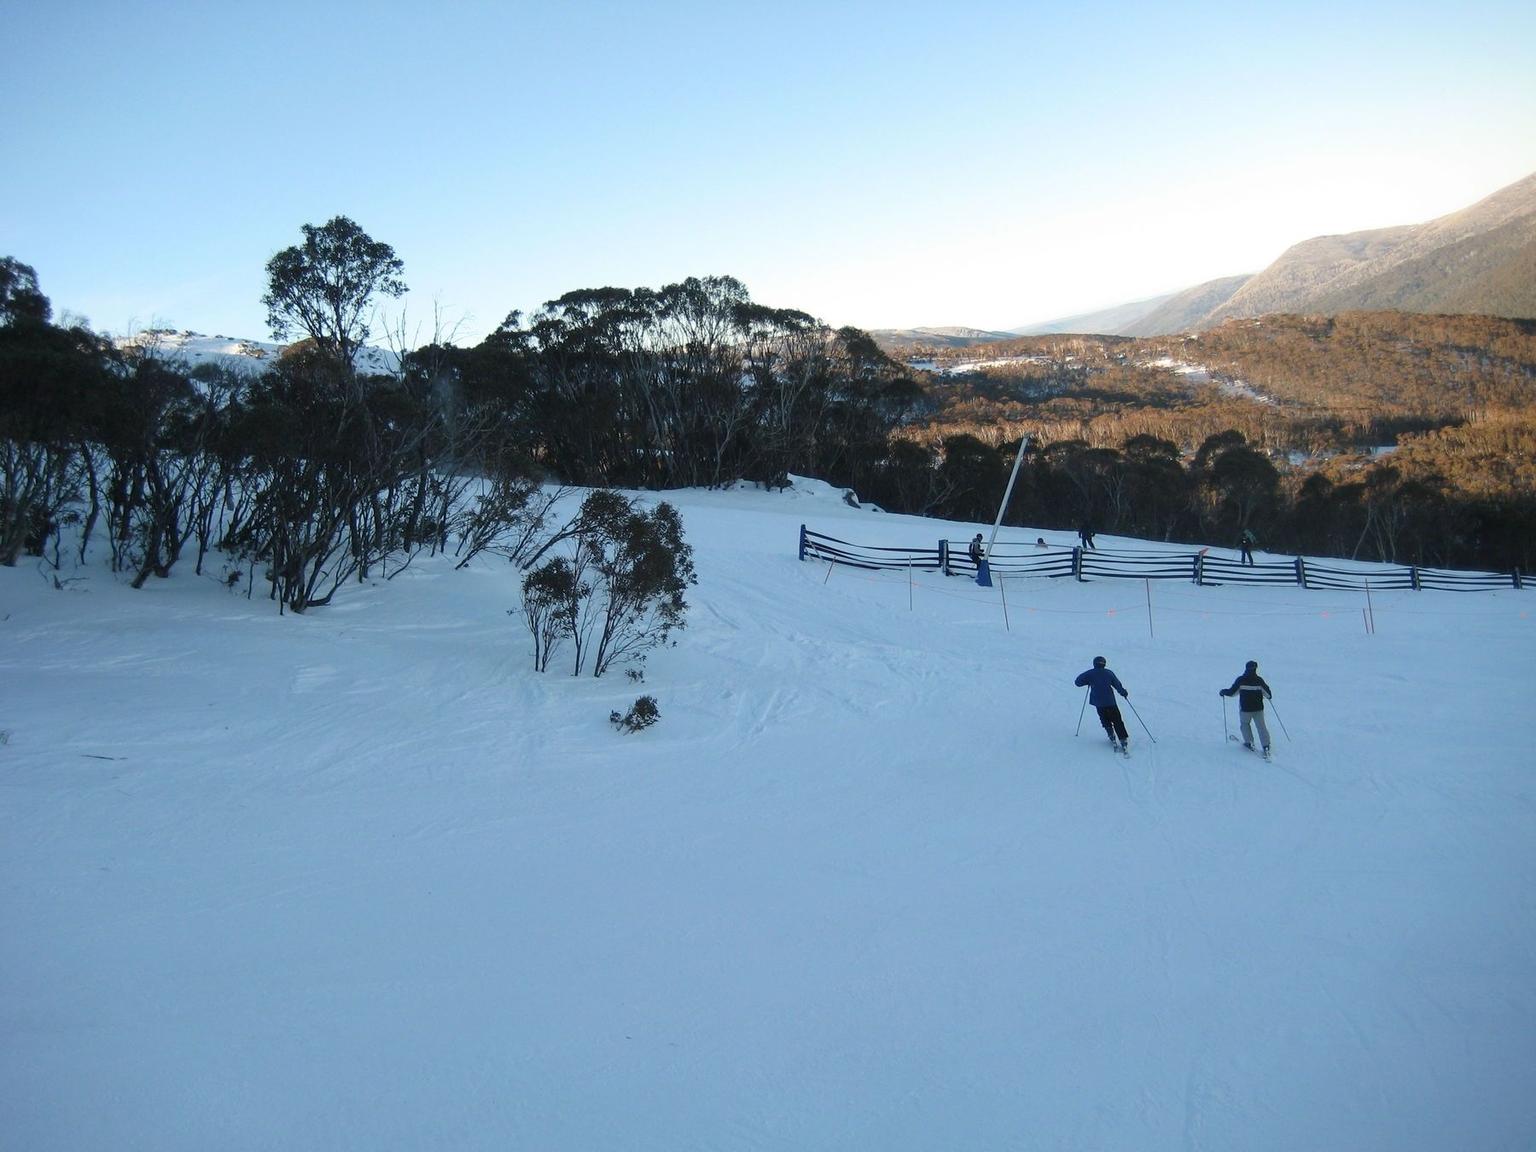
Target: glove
1225,692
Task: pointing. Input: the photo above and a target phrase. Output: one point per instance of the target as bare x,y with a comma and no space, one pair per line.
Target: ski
1263,753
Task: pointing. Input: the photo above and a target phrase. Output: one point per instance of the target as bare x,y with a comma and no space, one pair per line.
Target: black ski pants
1114,723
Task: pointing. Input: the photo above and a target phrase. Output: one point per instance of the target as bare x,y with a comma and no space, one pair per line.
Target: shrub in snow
552,599
638,568
619,594
641,567
642,714
508,516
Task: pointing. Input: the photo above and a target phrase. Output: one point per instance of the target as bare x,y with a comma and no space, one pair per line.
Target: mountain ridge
1478,260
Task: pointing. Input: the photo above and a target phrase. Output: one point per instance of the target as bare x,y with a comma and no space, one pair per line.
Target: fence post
1518,584
1077,562
1301,572
1199,567
802,541
944,558
1413,578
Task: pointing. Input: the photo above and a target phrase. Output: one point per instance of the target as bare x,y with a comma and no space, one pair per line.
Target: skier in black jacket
1102,684
1251,692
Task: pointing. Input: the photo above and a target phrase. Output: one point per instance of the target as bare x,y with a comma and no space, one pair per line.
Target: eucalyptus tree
49,380
326,286
20,298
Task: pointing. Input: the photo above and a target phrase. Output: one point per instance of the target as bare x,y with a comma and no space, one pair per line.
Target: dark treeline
312,473
306,475
688,385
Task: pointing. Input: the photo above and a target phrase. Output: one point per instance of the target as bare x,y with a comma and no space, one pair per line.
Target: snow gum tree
21,300
641,568
621,591
552,598
325,287
50,380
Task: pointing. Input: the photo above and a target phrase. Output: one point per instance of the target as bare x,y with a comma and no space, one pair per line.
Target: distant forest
1376,435
1274,425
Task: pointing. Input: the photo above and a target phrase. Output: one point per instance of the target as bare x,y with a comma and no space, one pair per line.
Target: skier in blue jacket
1102,684
1251,692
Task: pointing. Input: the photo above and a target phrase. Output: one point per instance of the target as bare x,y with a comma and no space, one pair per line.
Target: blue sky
884,165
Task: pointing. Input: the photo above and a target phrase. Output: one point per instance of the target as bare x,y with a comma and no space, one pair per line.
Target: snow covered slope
194,348
362,879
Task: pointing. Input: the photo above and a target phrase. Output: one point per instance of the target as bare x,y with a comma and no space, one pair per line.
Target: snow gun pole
1276,711
1143,723
1007,492
1081,710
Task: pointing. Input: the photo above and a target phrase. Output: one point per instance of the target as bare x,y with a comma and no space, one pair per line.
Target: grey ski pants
1248,720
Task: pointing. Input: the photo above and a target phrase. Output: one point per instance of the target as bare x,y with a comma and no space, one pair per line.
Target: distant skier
1102,684
977,551
1085,534
1251,692
1246,541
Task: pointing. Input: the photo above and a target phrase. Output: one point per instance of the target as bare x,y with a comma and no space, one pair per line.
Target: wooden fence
1198,567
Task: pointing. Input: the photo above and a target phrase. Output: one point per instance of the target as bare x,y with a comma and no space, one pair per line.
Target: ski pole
1276,711
1081,710
1225,731
1142,722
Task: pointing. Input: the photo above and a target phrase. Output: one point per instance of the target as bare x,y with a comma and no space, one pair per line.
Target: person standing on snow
1102,684
1246,542
1251,692
977,550
1085,534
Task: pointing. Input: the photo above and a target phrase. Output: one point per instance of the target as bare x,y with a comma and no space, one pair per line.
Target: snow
363,879
970,367
194,348
1199,374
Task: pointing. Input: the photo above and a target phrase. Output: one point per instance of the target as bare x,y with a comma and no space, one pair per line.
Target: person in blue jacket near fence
1102,684
1251,692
